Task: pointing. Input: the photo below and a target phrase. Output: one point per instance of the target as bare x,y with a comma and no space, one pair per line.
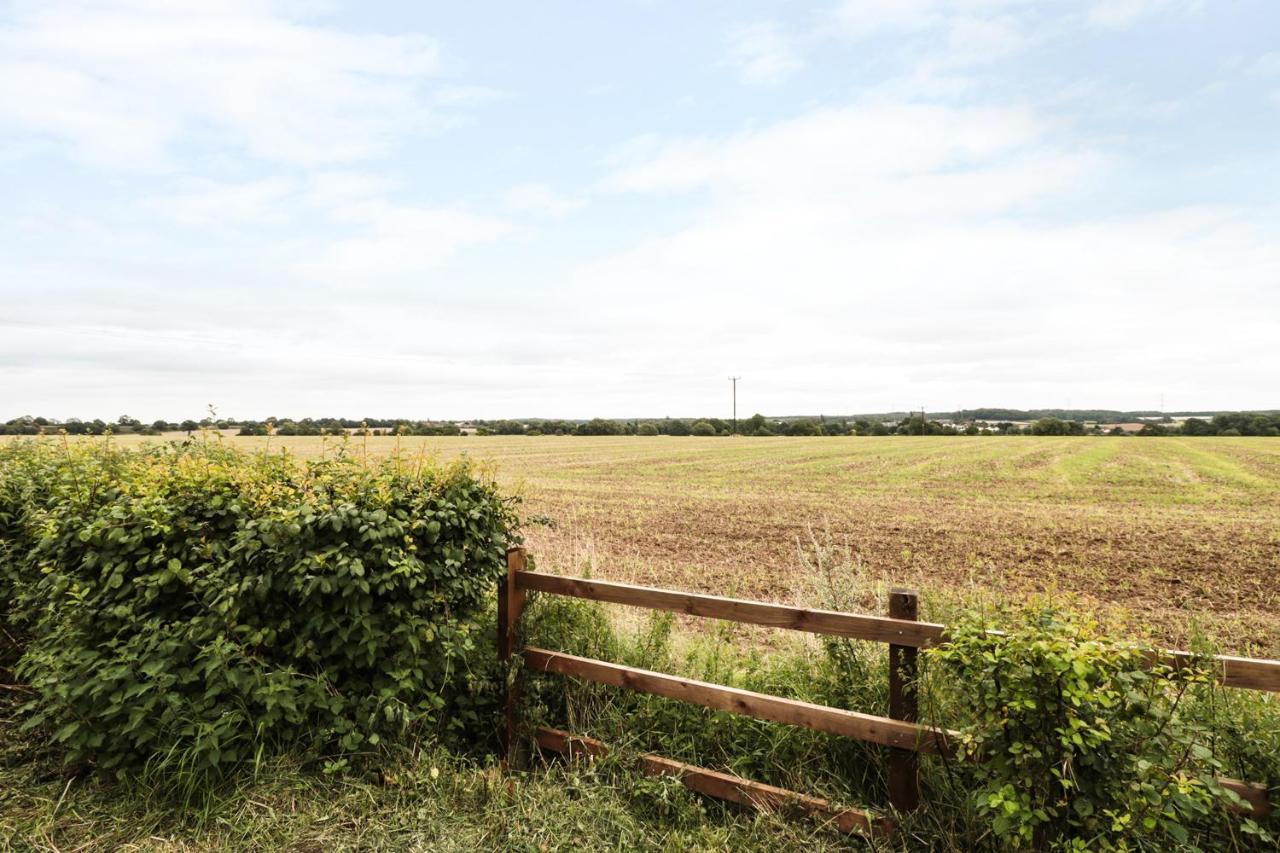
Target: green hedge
197,605
1079,742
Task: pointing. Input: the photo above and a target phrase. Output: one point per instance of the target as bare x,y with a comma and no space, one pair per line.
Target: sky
577,209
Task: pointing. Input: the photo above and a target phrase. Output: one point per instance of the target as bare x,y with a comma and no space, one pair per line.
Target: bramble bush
1082,743
197,606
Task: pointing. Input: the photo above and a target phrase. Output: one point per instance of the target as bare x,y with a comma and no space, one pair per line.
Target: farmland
1168,539
1163,538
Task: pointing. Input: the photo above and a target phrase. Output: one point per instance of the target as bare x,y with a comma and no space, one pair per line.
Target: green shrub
196,605
703,428
18,481
1078,742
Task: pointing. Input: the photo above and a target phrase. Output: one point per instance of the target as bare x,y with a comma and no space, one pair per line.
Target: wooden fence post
510,606
904,764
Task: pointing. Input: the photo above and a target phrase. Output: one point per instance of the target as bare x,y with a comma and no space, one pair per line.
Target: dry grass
1167,537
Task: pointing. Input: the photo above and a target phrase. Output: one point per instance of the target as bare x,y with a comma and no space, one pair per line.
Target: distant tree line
1233,423
754,425
125,425
963,423
1225,424
345,426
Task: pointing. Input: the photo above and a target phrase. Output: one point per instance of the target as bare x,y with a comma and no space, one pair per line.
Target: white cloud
125,83
1268,64
941,35
930,241
1118,14
762,53
892,251
541,200
202,202
356,237
974,40
394,242
456,95
866,18
832,152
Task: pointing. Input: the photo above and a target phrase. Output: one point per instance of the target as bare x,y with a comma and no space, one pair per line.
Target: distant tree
675,427
508,427
912,425
802,427
1049,426
917,425
703,428
646,429
1230,420
1195,426
753,423
25,425
600,426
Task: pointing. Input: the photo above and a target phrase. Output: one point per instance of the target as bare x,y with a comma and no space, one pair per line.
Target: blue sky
576,209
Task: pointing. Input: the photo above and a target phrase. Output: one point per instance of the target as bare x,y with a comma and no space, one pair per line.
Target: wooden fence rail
724,786
1249,673
900,730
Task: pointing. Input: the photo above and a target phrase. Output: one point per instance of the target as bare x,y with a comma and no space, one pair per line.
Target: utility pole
734,380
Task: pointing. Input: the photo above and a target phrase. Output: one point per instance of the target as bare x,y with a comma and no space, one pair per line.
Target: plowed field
1165,536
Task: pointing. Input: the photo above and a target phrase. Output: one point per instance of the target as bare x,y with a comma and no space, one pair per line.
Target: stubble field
1162,537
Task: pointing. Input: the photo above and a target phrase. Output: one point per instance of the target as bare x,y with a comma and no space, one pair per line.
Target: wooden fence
900,730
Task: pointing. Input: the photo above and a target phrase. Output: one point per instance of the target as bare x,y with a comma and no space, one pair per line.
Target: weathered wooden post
510,606
904,764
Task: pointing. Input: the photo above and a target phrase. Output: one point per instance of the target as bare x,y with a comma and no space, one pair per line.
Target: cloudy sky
574,209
